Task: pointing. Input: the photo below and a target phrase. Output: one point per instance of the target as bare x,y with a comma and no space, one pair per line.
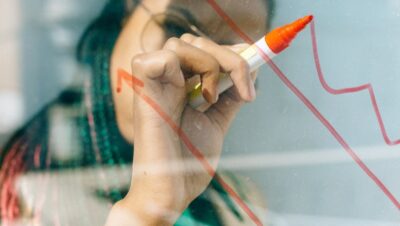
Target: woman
136,37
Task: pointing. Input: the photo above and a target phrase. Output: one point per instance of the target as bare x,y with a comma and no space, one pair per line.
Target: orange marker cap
280,38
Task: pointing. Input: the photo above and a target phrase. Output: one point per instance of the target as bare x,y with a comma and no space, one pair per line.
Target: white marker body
253,57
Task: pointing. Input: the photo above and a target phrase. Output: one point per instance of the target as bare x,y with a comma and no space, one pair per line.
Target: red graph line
355,89
136,84
309,105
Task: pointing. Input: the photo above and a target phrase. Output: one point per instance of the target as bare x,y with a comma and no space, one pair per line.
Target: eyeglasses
170,23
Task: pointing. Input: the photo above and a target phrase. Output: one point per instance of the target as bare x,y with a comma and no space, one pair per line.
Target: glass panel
90,115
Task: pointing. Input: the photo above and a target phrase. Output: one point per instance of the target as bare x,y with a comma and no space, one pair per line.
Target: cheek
152,37
124,113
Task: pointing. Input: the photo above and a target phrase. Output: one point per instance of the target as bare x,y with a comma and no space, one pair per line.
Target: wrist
135,212
123,215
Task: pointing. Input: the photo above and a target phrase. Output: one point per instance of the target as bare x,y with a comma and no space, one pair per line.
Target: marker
271,44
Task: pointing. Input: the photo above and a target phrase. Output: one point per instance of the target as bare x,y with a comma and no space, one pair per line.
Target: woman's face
250,16
141,34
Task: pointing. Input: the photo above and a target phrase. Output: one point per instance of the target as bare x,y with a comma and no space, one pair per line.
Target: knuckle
169,57
137,61
187,37
243,66
173,43
214,66
144,63
201,42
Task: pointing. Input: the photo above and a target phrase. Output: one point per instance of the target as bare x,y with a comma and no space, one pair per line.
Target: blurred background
38,40
276,141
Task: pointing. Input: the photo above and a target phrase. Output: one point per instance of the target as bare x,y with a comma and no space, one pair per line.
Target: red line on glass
311,107
354,89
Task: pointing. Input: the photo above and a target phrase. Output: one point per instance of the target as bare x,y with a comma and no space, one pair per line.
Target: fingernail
216,98
207,95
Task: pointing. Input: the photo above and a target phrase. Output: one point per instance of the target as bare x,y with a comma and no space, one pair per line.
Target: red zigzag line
309,105
355,89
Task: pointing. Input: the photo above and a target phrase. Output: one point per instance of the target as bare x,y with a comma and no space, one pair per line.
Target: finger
197,61
187,37
230,62
234,64
238,47
224,111
229,103
160,65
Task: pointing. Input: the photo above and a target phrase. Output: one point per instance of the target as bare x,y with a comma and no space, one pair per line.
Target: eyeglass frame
192,27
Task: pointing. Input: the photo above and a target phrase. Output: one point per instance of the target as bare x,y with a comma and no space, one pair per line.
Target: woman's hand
166,176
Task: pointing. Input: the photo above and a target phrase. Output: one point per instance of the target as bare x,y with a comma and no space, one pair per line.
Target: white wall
10,89
37,42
